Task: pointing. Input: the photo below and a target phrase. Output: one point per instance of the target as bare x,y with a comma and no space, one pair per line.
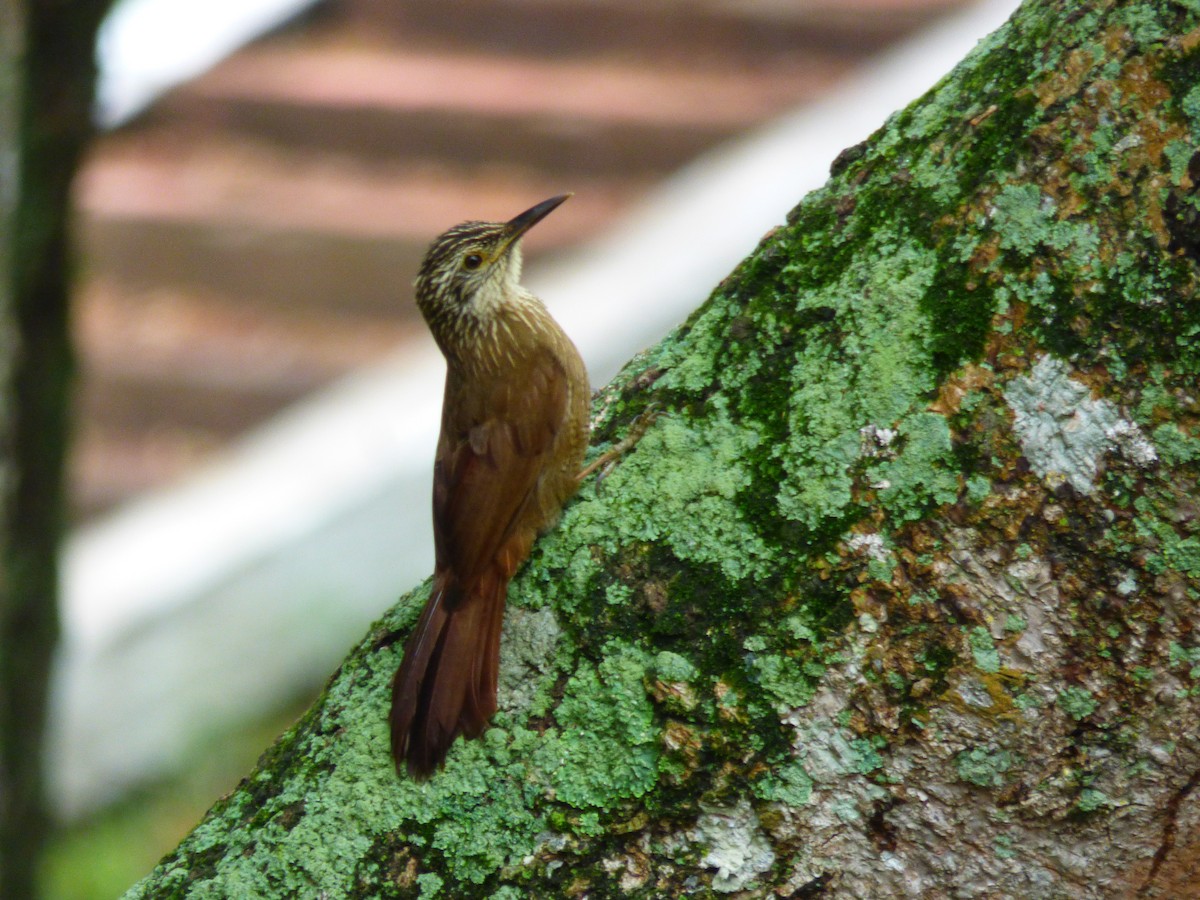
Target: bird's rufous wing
494,447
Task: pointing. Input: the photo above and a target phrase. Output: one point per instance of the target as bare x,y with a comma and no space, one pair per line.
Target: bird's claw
607,461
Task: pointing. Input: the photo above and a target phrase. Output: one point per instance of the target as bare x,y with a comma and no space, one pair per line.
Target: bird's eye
472,261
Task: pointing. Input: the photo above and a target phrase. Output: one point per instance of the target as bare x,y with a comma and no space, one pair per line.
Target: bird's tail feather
446,684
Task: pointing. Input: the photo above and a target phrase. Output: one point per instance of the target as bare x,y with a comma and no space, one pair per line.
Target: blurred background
253,233
258,397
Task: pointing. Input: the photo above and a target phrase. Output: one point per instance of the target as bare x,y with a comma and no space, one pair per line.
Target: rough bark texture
899,596
48,77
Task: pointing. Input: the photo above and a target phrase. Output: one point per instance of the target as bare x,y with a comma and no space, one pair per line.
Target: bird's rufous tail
446,683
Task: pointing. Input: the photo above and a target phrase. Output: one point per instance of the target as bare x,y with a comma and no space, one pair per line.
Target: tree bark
47,74
897,597
12,39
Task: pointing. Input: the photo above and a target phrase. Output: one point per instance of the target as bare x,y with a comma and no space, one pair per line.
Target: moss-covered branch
898,598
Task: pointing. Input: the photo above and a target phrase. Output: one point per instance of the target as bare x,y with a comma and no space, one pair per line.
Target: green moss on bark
863,585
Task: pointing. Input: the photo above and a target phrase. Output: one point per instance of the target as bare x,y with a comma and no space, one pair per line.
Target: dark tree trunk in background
900,597
12,791
47,77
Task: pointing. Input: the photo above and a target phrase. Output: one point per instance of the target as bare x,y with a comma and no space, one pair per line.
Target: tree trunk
47,73
897,597
13,793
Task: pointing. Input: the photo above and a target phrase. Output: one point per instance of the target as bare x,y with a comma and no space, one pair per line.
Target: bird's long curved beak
519,224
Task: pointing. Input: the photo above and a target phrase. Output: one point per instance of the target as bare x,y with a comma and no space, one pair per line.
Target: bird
514,433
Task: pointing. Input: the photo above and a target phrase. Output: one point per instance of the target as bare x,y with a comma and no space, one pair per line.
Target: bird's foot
606,461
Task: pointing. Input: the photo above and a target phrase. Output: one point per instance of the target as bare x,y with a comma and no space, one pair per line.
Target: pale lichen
735,846
1065,432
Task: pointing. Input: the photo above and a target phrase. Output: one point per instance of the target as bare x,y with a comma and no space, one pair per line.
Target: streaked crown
473,267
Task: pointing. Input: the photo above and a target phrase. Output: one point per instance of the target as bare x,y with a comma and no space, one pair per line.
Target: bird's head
474,267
